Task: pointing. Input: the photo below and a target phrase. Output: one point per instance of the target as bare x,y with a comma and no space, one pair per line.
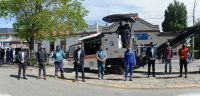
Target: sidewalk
140,79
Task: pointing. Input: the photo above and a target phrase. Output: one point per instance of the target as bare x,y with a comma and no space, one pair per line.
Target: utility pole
193,40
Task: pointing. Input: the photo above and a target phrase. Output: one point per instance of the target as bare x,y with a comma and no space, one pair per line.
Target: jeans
42,67
101,69
128,66
168,62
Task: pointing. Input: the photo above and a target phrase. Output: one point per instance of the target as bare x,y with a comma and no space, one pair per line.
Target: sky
149,10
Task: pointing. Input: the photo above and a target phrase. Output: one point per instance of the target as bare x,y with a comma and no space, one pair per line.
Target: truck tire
116,66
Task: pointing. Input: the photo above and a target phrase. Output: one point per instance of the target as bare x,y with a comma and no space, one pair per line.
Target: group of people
101,55
167,53
8,53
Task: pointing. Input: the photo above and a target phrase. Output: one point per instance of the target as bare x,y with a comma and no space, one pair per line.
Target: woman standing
129,61
59,56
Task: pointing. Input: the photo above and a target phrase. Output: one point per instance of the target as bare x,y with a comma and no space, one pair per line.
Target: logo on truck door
111,43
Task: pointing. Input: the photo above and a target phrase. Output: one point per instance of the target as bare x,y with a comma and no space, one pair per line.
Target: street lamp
194,7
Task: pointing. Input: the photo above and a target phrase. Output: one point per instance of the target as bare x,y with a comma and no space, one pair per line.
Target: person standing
7,56
129,62
151,54
42,60
23,59
79,56
59,56
3,55
11,55
183,54
101,60
167,56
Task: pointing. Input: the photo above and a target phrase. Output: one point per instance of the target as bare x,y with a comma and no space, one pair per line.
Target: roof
6,31
168,33
89,36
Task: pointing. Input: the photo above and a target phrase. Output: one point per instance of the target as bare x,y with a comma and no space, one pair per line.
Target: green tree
175,17
44,19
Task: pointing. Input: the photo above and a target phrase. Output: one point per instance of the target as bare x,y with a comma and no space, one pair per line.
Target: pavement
140,80
11,86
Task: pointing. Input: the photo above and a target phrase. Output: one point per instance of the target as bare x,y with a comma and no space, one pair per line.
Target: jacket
41,56
129,57
149,53
26,56
59,56
82,56
167,53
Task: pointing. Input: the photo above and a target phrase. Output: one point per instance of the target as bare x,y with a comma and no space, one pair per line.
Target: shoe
83,80
62,76
131,80
180,76
99,78
125,79
185,76
154,75
147,76
25,78
38,77
18,78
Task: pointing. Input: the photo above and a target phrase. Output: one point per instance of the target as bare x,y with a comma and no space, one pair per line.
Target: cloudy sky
149,10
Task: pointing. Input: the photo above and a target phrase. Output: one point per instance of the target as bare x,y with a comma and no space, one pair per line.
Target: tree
44,19
175,17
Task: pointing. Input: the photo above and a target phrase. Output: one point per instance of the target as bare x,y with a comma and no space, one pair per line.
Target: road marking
69,81
191,94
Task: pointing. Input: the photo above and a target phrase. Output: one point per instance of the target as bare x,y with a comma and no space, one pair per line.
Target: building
8,39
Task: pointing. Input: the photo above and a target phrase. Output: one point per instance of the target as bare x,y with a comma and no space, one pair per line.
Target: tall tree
44,19
175,17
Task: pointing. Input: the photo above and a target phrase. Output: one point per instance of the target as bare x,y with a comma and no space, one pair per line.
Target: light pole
194,7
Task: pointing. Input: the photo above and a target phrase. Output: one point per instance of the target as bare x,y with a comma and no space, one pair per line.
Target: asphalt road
10,86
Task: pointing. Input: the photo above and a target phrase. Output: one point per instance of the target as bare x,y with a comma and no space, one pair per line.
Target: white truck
111,43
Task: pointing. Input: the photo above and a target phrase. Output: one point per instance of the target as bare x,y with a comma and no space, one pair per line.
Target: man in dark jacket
151,54
42,59
79,55
23,59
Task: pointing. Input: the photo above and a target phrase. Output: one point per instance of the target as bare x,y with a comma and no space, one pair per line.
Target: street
11,86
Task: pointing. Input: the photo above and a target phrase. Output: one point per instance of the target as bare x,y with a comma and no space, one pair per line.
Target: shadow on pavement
32,76
167,77
14,76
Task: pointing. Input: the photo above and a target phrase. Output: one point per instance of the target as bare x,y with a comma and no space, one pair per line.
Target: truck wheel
117,66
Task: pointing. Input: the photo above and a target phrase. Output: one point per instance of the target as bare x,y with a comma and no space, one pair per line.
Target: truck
111,42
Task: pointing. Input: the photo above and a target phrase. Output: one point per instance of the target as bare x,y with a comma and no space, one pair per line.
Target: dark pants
59,66
22,66
183,63
42,67
1,61
151,63
81,68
